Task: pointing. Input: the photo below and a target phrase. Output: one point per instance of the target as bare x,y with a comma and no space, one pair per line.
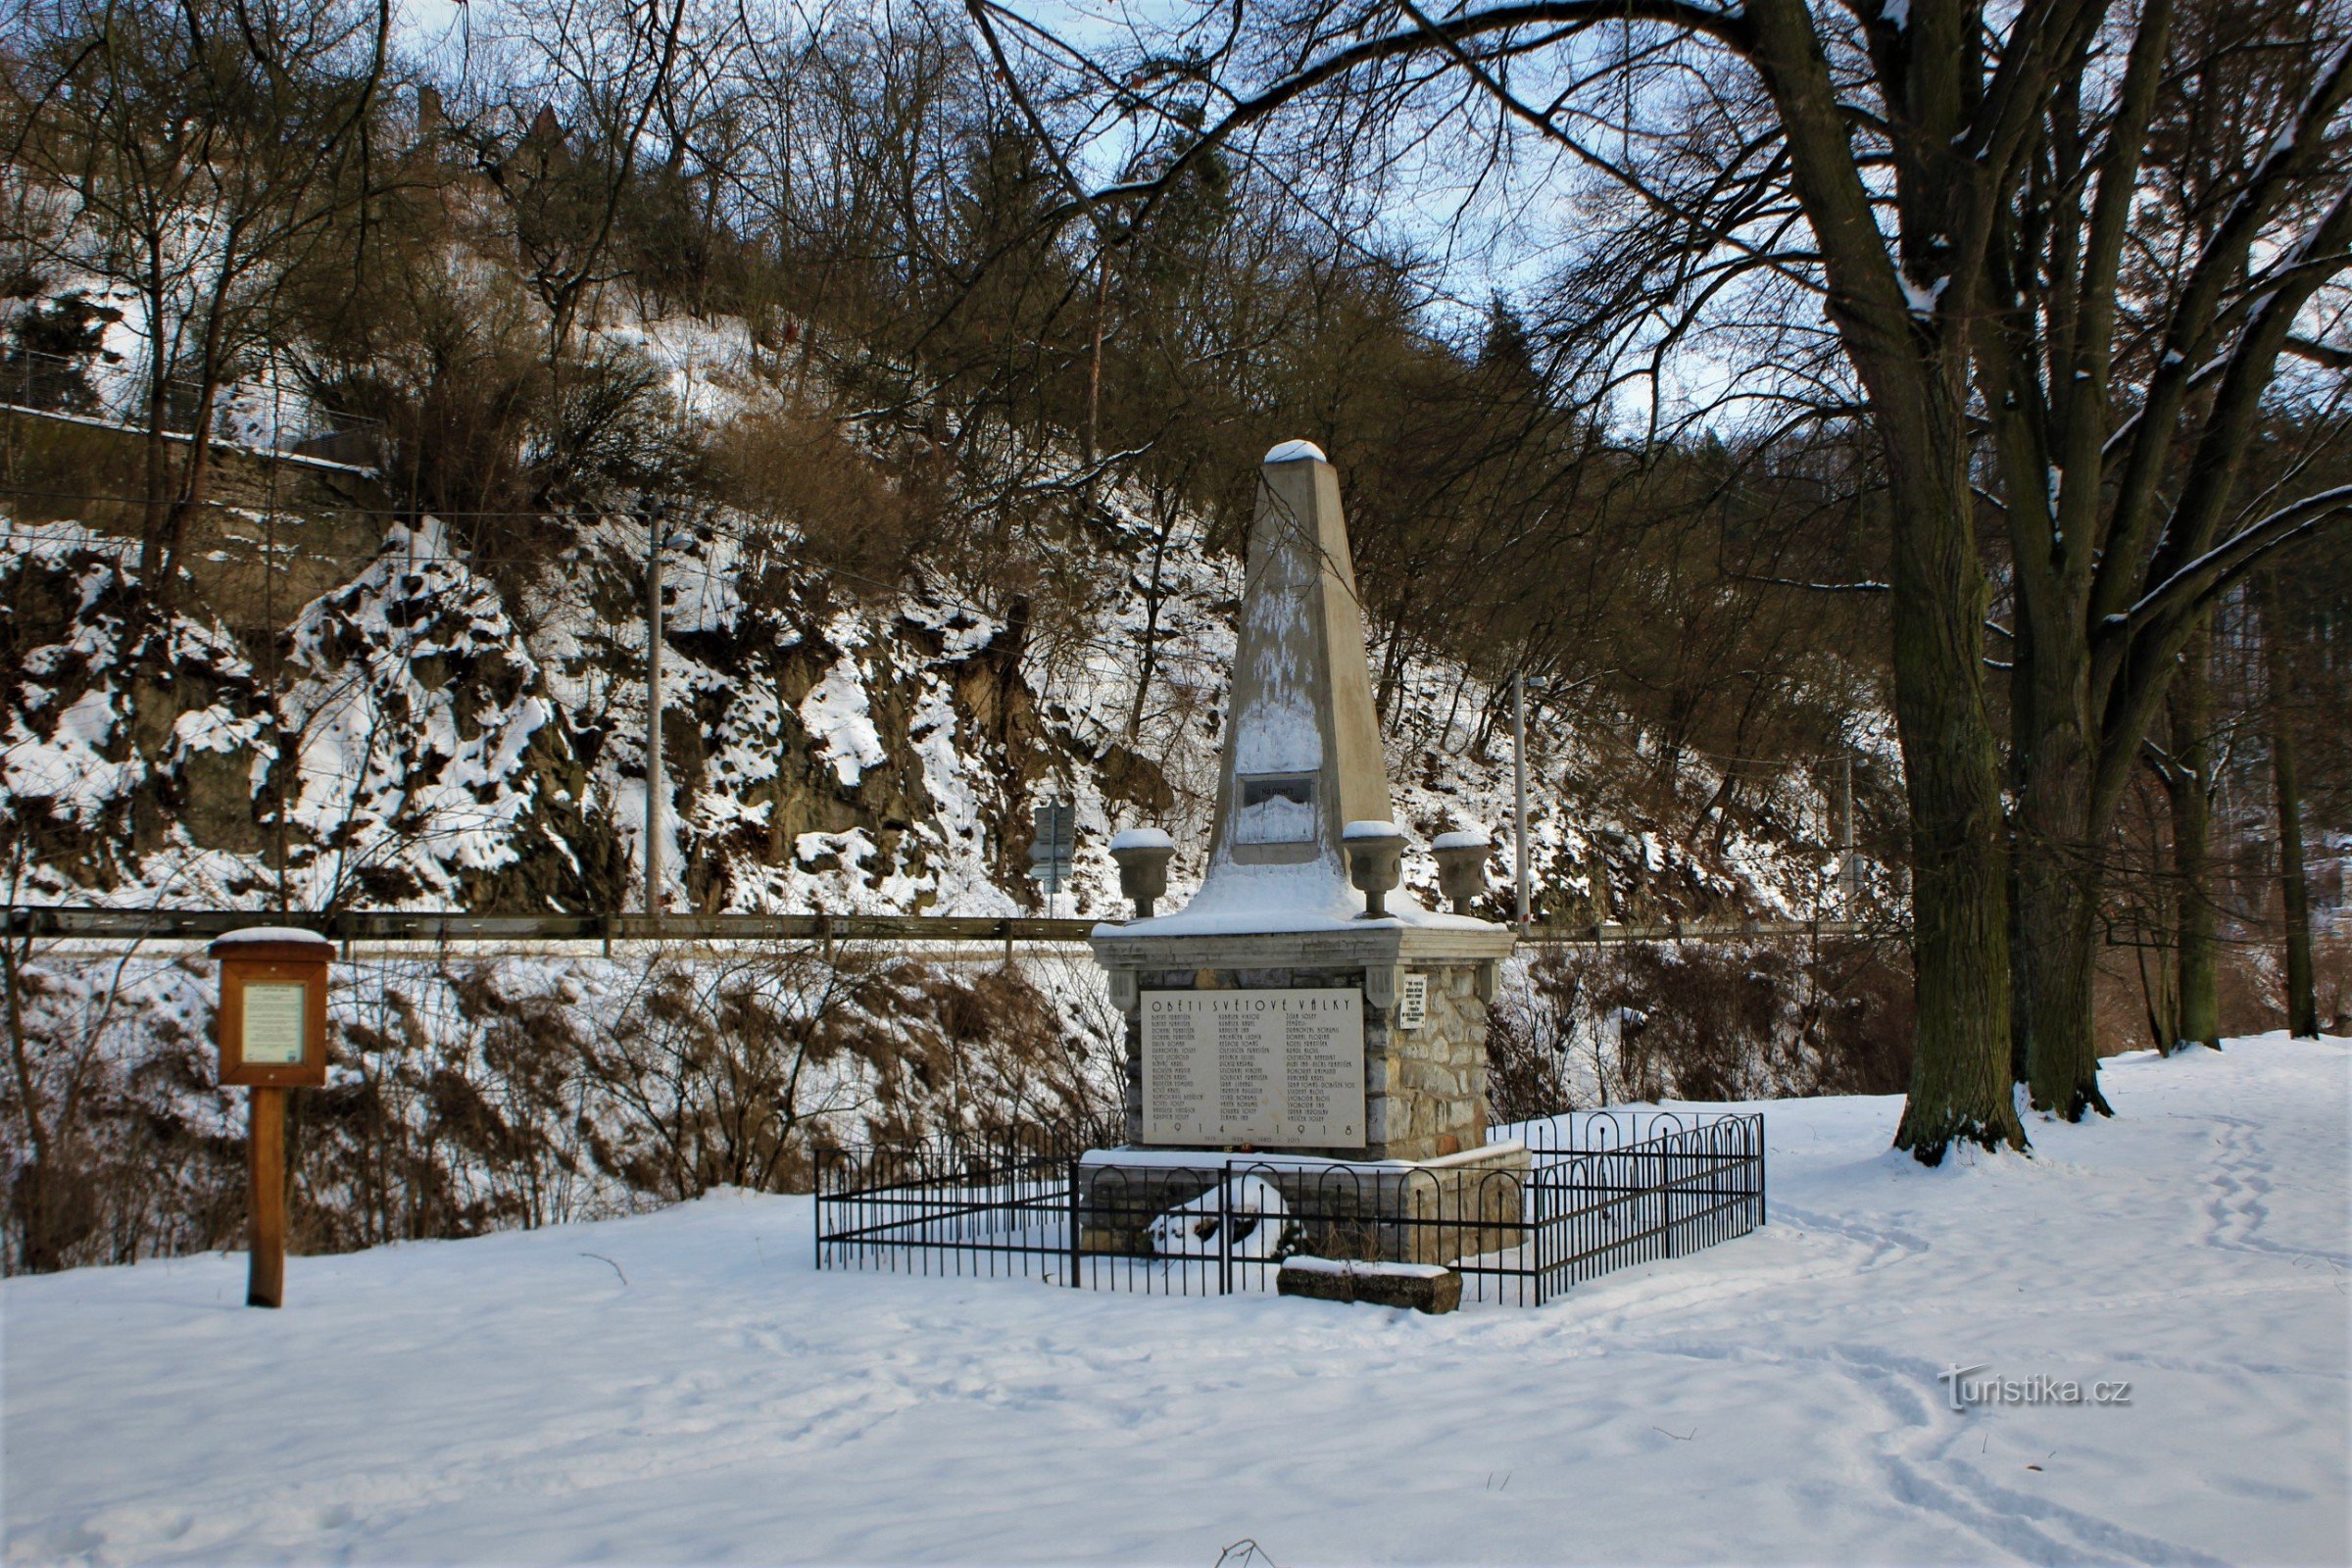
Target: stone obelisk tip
1301,754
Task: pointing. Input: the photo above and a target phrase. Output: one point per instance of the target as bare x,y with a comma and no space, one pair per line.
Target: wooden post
271,1032
266,1198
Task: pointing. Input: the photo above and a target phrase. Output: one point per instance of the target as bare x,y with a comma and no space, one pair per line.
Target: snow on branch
1863,587
2231,558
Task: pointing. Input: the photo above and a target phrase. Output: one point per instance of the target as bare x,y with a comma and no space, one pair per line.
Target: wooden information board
1275,1069
272,1018
272,1030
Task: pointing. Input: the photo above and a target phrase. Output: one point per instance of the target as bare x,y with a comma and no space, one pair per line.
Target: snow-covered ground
684,1387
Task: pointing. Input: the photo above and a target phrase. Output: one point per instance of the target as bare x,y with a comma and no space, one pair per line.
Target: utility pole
1052,842
277,696
1094,375
654,787
1052,886
1848,873
1519,790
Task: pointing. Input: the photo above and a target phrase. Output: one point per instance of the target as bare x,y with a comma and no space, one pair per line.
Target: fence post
1073,1220
1666,1197
1531,1204
1225,1232
1755,1132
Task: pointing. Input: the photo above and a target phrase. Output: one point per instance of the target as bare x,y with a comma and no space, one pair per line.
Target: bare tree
208,145
2017,246
2186,769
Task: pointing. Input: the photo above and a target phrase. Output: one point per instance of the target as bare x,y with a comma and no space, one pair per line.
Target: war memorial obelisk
1299,1002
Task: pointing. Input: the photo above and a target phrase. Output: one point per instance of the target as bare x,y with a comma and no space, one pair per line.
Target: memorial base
1425,1079
1200,1203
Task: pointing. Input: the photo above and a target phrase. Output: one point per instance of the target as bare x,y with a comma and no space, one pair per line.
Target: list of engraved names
1270,1068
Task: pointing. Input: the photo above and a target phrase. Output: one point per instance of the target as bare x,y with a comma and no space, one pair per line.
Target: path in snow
514,1399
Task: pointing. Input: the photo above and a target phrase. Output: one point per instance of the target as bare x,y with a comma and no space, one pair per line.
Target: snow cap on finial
1294,451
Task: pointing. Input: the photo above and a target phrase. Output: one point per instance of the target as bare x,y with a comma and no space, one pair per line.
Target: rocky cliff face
406,738
346,712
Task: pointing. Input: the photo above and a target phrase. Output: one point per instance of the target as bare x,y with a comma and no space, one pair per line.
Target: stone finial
1462,866
1142,854
1375,862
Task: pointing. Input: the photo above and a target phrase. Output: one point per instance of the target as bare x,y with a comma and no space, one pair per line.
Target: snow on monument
1301,755
1298,1002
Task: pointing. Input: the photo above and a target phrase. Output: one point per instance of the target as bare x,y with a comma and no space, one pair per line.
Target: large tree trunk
2058,922
2021,722
1960,1072
2294,894
2057,879
2188,790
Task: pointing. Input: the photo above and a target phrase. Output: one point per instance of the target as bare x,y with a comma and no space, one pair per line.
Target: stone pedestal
1425,1088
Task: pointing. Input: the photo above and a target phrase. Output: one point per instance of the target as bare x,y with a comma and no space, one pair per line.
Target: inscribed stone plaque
1412,1003
274,1020
1273,1068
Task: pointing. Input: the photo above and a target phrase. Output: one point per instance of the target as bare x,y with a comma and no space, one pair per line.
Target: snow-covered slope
683,1387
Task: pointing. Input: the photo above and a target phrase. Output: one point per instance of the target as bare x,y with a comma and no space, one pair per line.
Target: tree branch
1729,28
2187,331
2203,579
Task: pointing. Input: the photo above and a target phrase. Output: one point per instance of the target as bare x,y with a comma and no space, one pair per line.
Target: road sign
1053,843
1057,824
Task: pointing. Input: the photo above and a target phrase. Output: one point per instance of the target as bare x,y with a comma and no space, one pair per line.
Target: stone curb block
1424,1289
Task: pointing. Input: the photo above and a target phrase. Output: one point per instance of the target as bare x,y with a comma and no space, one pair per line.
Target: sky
1484,240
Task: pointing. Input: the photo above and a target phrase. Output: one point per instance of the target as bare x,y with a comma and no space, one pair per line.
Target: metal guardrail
398,925
392,925
1697,931
86,390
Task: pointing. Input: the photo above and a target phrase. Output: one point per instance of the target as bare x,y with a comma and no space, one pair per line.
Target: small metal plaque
1412,1003
275,1019
1271,1068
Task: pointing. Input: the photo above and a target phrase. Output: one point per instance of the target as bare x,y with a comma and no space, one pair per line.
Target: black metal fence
1540,1210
